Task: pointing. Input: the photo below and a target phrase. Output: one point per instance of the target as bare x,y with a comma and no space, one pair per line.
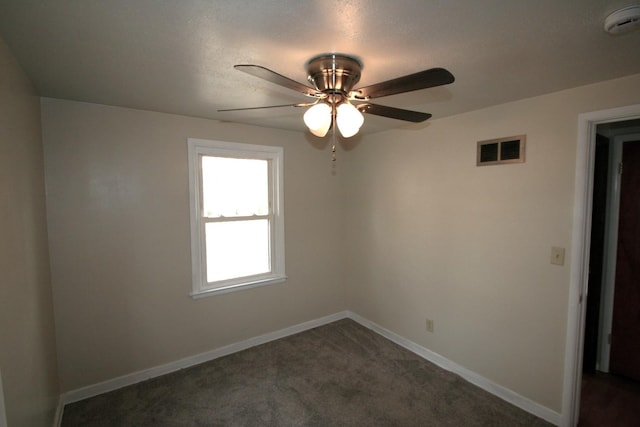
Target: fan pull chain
334,137
333,114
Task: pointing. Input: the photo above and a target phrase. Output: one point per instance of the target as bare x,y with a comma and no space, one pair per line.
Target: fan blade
306,104
279,79
394,113
421,80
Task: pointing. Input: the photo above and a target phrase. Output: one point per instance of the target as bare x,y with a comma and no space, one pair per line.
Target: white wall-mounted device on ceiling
623,20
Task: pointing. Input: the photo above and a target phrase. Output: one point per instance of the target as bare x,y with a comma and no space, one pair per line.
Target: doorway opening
581,340
611,350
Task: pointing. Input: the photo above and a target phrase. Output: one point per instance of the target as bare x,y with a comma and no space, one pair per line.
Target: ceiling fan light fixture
349,119
333,78
318,119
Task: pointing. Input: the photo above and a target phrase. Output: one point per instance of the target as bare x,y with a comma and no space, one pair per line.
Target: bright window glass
234,187
237,249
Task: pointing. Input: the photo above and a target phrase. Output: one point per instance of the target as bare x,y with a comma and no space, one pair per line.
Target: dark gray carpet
340,374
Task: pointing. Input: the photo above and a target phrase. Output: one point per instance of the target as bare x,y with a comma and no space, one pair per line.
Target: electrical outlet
557,256
429,325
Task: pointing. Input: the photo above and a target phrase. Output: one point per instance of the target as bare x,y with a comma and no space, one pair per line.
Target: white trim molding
57,418
3,410
136,377
470,376
444,363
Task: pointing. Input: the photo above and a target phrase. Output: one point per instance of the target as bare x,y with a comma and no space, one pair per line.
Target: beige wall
406,223
433,236
118,216
27,341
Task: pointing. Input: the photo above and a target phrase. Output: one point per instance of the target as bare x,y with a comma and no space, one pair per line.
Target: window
237,216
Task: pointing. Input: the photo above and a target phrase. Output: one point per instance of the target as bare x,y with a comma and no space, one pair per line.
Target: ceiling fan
333,77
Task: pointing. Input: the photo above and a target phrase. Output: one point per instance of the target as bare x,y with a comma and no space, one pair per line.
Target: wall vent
501,151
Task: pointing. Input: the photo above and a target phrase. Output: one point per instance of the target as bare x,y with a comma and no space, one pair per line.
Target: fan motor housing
334,74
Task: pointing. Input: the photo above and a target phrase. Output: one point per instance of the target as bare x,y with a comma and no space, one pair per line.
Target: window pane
237,249
234,187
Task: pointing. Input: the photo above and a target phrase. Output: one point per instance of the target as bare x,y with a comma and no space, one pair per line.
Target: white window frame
275,155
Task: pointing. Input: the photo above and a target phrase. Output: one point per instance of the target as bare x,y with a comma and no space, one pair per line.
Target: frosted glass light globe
318,119
349,119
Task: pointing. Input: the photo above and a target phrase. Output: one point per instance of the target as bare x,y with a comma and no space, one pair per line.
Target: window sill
237,287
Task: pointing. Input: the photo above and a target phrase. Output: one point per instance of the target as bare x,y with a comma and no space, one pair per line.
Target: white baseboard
3,410
470,376
478,380
57,420
136,377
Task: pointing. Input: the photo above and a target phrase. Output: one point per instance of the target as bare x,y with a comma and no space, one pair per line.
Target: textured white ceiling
178,56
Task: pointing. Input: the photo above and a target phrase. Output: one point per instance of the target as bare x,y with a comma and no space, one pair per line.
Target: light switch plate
429,325
557,256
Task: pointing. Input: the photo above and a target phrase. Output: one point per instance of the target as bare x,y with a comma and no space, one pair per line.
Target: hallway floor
609,401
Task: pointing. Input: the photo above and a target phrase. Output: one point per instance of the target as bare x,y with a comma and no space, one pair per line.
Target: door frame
580,243
611,247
